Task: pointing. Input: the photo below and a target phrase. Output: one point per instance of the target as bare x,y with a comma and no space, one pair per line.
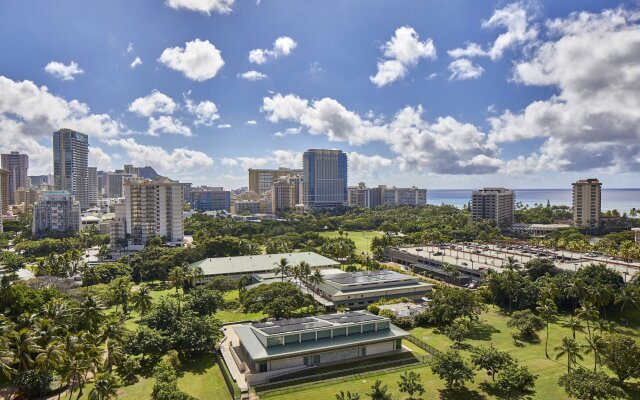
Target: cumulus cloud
364,167
517,19
287,132
593,61
279,158
463,68
98,158
251,122
199,60
224,126
283,46
135,62
63,72
206,112
167,124
403,51
252,75
154,103
203,6
178,160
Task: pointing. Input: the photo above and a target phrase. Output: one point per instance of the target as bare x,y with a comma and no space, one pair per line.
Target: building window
308,336
398,344
274,341
291,339
354,329
262,366
383,325
339,332
324,334
363,351
369,327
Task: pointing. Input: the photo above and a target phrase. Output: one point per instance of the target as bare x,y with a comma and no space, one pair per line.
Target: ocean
622,200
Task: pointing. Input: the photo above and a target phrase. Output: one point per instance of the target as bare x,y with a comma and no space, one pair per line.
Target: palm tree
574,290
282,267
112,334
50,358
105,387
574,324
295,272
88,313
549,312
596,345
628,295
512,264
316,279
177,277
142,299
569,348
23,344
601,297
194,276
242,283
305,271
7,359
587,312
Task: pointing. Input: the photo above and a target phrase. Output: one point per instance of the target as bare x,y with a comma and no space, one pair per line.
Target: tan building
282,195
494,203
4,190
27,196
261,180
587,203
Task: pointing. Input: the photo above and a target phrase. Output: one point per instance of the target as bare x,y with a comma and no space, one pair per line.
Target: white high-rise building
70,159
325,178
153,209
494,203
587,203
18,166
393,196
56,211
114,183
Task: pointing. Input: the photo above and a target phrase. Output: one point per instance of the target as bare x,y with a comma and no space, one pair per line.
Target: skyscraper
18,165
260,180
494,203
70,159
4,191
92,186
325,174
587,203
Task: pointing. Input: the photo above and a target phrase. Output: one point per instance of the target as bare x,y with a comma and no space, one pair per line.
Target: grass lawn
236,315
531,355
362,239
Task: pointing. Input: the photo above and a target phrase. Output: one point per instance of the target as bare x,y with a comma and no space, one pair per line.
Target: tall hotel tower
70,159
325,175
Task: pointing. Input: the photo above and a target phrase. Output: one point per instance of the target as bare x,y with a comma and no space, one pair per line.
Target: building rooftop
291,325
258,263
365,277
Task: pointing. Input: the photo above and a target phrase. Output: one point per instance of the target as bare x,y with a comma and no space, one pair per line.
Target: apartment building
283,195
4,190
213,199
393,196
326,176
587,203
261,180
57,211
70,162
494,203
92,186
18,166
27,196
114,183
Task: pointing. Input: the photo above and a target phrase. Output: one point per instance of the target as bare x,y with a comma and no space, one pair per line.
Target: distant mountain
148,173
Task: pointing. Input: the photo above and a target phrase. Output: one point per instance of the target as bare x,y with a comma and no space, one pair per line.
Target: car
437,253
464,263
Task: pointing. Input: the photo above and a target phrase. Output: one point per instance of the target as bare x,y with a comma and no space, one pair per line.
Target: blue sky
455,94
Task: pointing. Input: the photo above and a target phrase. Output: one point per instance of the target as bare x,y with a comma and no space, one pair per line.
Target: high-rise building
18,166
153,209
260,180
70,159
27,196
92,186
56,211
358,196
38,180
283,193
4,190
130,169
186,192
494,203
114,183
325,173
587,203
393,196
211,200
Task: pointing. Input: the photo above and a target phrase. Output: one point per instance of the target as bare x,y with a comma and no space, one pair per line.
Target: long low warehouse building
235,267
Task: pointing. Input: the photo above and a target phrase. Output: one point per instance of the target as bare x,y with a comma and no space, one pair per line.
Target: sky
436,94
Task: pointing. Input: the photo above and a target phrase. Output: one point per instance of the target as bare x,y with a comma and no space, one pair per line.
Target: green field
362,239
497,332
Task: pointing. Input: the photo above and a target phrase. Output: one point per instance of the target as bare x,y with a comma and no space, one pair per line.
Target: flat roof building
260,180
325,178
57,211
268,348
211,200
494,203
18,165
587,203
359,289
70,159
262,263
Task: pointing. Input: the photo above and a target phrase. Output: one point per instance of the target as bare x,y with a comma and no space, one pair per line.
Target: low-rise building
246,207
57,211
393,196
271,348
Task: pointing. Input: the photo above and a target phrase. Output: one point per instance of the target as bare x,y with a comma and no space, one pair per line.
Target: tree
177,277
379,391
410,383
105,387
282,268
23,344
142,300
145,341
204,301
587,312
490,359
166,385
622,356
457,332
570,349
574,324
548,312
539,267
316,279
451,367
194,335
120,289
596,345
527,323
347,396
515,378
590,385
629,295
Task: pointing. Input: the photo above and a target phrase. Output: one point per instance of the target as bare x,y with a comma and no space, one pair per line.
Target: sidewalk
225,348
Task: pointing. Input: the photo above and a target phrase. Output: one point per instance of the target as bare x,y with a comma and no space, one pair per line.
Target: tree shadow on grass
198,366
461,394
632,390
491,390
482,331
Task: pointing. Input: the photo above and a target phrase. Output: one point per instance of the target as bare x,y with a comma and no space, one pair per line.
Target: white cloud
154,103
472,50
130,48
283,46
203,6
206,112
593,61
98,158
287,132
251,122
199,60
464,69
275,158
167,124
135,62
403,51
365,167
224,126
64,72
178,160
252,75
